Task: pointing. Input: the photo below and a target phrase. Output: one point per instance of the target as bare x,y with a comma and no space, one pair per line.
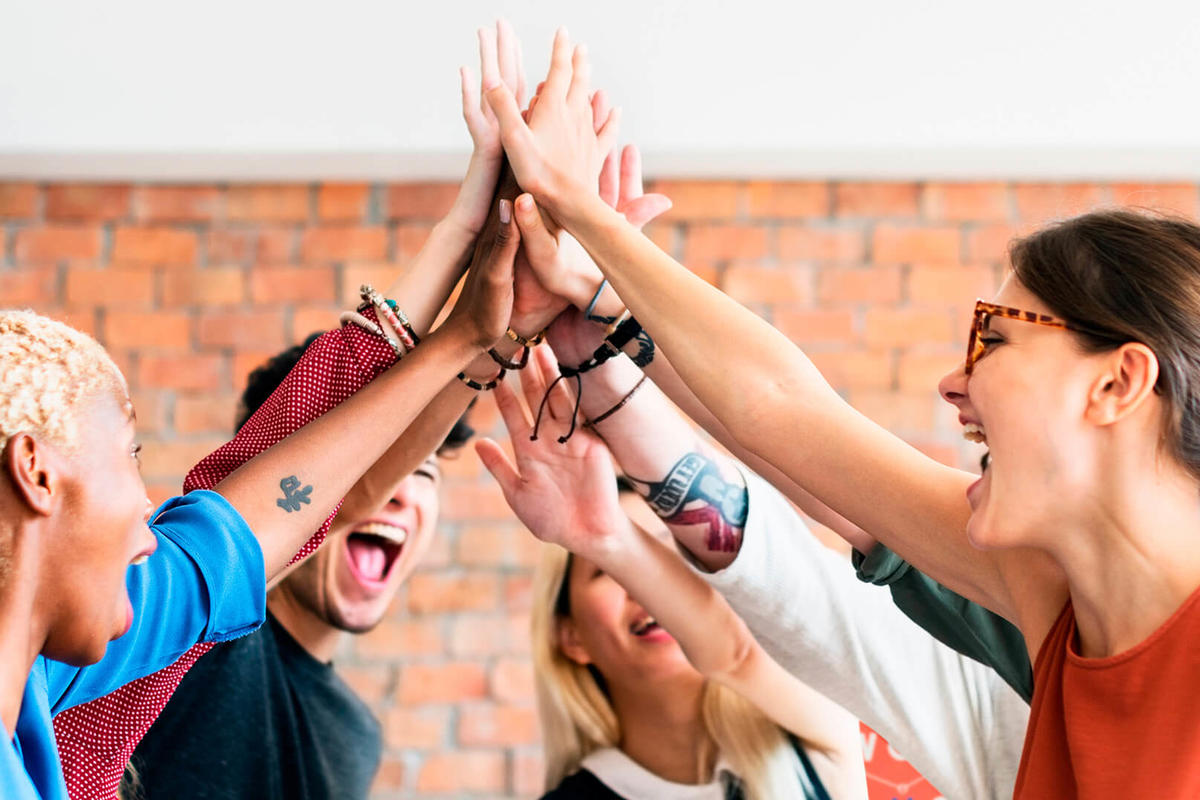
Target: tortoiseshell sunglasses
983,310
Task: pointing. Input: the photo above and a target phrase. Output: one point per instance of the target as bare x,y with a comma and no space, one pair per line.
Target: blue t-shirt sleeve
205,583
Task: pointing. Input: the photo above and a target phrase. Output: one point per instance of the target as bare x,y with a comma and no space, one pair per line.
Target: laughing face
350,582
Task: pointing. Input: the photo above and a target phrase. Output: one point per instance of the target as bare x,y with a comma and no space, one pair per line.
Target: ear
1128,379
33,477
570,644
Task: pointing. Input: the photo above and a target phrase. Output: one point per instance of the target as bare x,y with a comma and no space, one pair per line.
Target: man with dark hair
265,716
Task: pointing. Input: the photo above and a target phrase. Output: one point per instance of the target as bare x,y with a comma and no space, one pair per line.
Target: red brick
528,773
920,370
214,286
154,246
175,459
450,682
404,638
279,284
490,635
312,320
409,241
342,202
258,245
950,286
416,729
266,203
427,201
777,200
807,327
81,320
870,286
18,200
725,243
160,492
87,201
910,244
888,327
837,245
150,405
1174,198
475,501
958,202
115,288
319,245
876,199
148,330
990,243
900,412
436,593
391,776
378,275
748,284
512,681
205,413
497,726
58,243
241,329
518,592
699,199
854,369
371,683
246,361
187,372
463,771
1042,202
177,203
499,545
28,286
665,236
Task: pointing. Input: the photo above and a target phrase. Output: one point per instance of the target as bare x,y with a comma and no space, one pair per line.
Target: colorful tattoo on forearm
715,502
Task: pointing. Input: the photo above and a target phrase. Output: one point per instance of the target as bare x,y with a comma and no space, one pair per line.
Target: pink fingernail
505,212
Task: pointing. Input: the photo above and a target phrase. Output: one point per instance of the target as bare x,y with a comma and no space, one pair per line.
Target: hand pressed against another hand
558,154
564,493
485,304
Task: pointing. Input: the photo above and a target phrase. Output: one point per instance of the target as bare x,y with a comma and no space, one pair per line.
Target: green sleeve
952,619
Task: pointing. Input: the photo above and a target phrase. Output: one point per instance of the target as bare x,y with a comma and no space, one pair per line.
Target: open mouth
374,548
644,626
973,432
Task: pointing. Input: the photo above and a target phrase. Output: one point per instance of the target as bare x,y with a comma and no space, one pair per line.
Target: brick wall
191,287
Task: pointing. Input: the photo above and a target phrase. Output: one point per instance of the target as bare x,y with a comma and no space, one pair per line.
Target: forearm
288,490
430,277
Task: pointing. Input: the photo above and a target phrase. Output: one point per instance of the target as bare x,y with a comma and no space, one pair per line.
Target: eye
425,472
136,452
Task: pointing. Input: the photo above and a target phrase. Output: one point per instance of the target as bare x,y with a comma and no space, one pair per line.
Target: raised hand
564,493
500,65
484,307
558,153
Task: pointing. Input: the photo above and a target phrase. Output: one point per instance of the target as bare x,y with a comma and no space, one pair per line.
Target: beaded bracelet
592,423
373,327
506,364
521,340
482,387
390,312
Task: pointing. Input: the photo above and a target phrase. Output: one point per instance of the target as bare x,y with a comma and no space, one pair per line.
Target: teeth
643,625
382,529
973,432
140,560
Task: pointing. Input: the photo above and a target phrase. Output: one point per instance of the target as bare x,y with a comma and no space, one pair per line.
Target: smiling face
350,582
1027,399
102,529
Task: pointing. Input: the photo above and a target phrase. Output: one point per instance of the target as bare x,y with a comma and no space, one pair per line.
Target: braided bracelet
506,364
482,387
594,422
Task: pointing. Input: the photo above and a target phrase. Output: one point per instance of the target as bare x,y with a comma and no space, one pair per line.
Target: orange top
1125,726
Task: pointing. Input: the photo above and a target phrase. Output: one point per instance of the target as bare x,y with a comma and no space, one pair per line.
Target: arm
566,494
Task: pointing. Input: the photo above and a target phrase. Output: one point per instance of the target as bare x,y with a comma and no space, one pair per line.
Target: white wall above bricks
367,89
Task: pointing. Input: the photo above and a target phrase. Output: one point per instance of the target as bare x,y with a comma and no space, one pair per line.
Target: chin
355,620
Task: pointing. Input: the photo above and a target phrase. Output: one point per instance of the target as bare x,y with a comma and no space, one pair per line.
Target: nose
953,385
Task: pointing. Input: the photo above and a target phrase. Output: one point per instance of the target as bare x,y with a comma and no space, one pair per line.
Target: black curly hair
266,378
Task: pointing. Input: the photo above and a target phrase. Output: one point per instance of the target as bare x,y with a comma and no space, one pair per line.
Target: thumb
641,210
508,113
540,245
497,463
504,249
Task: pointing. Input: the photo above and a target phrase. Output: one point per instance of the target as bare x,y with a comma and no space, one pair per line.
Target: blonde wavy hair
577,717
48,370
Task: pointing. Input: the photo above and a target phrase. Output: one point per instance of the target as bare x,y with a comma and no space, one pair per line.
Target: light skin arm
288,490
566,494
907,500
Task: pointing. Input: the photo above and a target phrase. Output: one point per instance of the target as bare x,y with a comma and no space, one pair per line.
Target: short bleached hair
48,371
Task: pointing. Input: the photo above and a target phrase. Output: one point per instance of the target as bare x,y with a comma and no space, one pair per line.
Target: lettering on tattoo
719,505
293,495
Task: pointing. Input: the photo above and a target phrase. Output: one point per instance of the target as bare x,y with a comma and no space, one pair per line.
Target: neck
313,633
22,634
1136,561
662,729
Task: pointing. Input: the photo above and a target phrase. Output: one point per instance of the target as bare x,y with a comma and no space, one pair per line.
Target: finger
488,64
540,245
558,79
601,108
513,130
631,174
606,137
470,100
515,417
504,249
642,210
495,460
581,76
609,181
507,49
533,384
522,86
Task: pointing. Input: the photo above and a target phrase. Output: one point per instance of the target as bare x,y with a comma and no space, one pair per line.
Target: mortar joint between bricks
375,199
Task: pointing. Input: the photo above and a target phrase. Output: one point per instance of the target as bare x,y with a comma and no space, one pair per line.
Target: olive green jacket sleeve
952,619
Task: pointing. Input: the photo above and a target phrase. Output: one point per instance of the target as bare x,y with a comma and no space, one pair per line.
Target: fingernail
525,202
505,212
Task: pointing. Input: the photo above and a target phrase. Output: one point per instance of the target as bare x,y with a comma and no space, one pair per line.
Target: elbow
732,663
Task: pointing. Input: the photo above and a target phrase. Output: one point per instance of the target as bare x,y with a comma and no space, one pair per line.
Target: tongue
369,558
